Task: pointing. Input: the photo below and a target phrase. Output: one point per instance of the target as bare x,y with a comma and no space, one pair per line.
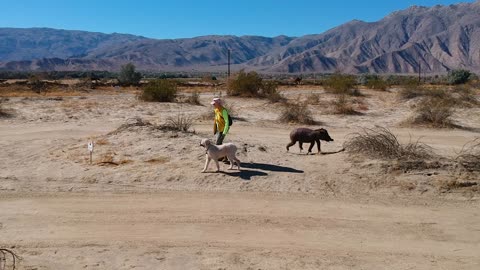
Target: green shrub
128,76
159,91
245,84
377,83
252,85
341,84
458,76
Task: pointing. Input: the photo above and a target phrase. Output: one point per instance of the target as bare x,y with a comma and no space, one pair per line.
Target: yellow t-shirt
221,120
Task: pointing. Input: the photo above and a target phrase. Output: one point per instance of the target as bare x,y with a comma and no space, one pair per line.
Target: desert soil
143,203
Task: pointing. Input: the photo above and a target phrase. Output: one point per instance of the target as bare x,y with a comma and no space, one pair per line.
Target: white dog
218,151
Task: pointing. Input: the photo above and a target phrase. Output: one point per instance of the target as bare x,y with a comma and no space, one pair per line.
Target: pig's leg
311,146
291,144
318,146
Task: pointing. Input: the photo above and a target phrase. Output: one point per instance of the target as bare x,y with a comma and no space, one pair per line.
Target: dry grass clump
414,91
181,123
296,113
193,98
434,112
342,105
5,113
465,96
381,143
469,156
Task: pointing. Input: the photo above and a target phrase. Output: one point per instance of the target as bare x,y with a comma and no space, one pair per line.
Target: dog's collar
206,149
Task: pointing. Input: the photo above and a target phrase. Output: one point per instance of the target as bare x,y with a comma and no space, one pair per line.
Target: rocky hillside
436,39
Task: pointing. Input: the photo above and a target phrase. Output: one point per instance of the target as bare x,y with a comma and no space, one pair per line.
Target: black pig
306,135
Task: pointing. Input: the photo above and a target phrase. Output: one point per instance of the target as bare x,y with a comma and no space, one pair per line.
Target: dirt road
193,230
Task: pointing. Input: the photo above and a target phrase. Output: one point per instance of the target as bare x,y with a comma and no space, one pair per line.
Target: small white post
90,150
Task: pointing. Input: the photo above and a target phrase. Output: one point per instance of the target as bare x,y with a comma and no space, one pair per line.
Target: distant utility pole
419,72
228,64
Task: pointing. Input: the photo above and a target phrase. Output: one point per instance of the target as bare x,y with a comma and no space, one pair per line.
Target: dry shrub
342,105
159,160
180,123
469,156
434,112
102,141
381,143
452,184
296,113
313,98
465,96
3,113
8,259
413,91
193,98
107,158
269,91
131,123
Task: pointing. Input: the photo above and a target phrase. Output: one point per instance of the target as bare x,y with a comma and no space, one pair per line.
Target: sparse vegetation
458,76
373,81
4,254
469,156
465,96
245,84
434,112
193,98
296,113
381,143
180,123
160,90
252,85
342,105
128,75
269,90
341,84
3,113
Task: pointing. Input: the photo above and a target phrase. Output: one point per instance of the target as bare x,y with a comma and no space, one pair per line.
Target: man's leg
218,141
219,138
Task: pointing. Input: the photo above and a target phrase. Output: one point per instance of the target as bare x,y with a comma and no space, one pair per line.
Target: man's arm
227,123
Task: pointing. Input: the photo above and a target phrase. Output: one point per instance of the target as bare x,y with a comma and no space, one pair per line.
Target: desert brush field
394,190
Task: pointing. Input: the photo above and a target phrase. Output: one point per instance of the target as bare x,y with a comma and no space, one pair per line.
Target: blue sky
189,18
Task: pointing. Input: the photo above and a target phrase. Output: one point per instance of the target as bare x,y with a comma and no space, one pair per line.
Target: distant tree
128,76
458,76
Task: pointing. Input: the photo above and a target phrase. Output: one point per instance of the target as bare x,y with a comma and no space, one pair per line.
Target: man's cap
216,101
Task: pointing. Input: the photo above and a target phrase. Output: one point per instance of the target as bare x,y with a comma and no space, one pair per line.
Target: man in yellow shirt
222,124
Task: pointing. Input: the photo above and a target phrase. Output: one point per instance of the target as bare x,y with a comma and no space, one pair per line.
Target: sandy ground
144,204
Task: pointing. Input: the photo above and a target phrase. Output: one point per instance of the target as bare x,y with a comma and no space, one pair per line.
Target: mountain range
435,39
